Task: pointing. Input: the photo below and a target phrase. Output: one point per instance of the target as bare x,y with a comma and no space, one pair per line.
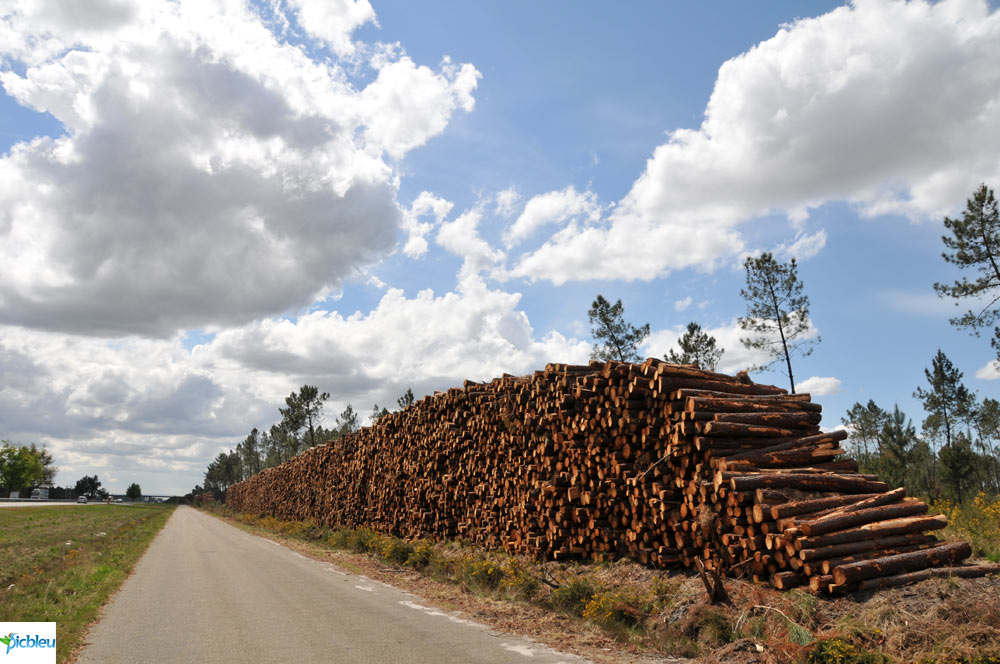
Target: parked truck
40,494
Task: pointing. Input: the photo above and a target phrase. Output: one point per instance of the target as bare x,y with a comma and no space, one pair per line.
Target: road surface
206,592
42,503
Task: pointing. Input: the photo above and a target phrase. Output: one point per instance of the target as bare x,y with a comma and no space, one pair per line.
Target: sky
206,204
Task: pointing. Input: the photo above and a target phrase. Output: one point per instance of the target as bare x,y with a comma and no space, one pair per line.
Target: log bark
842,521
904,526
949,553
797,508
817,482
964,572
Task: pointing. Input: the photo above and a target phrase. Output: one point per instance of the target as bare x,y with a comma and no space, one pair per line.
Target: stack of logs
663,463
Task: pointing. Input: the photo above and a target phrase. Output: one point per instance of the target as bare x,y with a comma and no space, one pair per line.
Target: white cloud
990,371
149,410
333,21
888,105
425,205
553,207
256,185
928,303
506,201
461,237
408,104
819,386
804,246
681,305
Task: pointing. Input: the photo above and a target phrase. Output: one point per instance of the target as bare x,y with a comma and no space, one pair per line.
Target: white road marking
434,612
520,650
367,588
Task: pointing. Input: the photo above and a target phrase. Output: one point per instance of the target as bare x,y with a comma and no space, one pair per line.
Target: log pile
667,464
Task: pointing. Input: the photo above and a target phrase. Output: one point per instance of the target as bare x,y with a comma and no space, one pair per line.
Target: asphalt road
209,592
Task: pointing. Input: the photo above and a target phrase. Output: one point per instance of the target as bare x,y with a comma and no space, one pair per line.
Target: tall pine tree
696,347
777,312
975,245
618,339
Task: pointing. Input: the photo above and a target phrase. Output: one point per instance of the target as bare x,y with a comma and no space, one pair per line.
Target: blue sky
205,206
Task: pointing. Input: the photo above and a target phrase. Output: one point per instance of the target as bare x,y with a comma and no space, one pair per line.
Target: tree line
24,468
299,429
957,452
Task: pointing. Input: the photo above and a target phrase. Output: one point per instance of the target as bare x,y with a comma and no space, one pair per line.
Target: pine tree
406,400
347,421
697,348
865,424
897,440
975,245
777,311
948,403
619,340
958,467
377,414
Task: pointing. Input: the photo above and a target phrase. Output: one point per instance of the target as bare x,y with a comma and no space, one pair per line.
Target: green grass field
61,563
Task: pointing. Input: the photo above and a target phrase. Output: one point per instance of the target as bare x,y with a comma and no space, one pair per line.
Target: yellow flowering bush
977,521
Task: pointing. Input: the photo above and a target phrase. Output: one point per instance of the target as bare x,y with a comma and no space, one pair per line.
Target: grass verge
61,563
653,613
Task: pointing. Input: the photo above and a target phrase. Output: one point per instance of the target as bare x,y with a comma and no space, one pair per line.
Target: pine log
963,572
904,526
807,482
717,428
812,505
787,580
948,553
841,521
733,404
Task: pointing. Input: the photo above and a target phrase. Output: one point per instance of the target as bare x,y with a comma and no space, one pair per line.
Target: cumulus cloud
210,172
819,385
461,237
506,202
154,411
681,305
333,21
426,205
887,105
991,371
804,246
553,207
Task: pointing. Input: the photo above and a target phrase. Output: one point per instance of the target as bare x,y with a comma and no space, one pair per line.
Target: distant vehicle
40,494
82,499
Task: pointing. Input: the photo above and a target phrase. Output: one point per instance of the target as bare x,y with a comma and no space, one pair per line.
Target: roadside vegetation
61,563
667,613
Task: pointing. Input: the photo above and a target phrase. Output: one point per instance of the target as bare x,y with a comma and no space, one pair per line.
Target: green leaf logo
6,639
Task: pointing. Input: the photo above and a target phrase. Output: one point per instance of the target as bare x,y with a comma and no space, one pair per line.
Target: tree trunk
951,552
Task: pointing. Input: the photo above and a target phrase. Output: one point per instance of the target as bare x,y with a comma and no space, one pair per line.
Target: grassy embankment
61,563
938,621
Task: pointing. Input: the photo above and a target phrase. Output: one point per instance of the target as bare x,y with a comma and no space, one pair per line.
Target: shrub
613,611
572,596
395,550
479,575
977,521
518,582
421,554
838,651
